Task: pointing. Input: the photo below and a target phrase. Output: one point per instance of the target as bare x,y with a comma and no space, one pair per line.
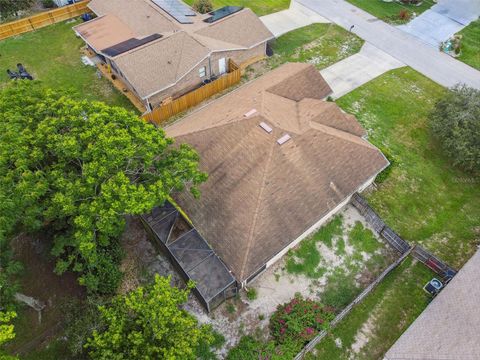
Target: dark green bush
393,163
49,4
299,320
455,123
251,348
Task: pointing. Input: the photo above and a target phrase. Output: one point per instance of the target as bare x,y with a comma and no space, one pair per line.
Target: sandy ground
239,315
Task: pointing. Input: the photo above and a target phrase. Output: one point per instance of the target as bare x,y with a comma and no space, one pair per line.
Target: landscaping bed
53,56
392,12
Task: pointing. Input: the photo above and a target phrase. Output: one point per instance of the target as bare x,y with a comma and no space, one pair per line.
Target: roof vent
265,127
250,113
283,139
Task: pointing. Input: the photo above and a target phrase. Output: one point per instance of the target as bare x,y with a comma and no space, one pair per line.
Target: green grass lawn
470,47
344,256
259,7
381,318
424,199
389,11
52,55
319,44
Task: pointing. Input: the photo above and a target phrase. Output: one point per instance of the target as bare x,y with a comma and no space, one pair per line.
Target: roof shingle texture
243,29
104,32
449,328
142,16
150,68
145,68
261,196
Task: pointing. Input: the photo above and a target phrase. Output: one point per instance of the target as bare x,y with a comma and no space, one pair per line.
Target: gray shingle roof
449,328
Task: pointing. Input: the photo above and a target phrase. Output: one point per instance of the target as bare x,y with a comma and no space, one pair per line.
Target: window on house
202,71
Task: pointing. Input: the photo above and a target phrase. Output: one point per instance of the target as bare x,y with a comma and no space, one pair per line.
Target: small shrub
231,308
250,347
393,163
299,320
404,15
206,350
329,98
457,48
202,6
261,317
49,4
252,294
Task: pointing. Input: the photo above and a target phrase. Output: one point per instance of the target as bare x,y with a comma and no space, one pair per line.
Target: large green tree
148,323
455,121
76,169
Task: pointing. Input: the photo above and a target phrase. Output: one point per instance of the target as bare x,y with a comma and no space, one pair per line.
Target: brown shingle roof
243,28
240,30
307,84
151,68
104,32
142,16
261,196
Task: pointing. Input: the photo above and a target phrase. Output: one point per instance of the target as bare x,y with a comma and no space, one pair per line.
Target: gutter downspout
210,66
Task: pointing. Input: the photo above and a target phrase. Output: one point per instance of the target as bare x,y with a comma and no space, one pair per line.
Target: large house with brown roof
162,49
281,161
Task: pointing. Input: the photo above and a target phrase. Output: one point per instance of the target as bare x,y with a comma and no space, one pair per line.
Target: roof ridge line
256,213
345,135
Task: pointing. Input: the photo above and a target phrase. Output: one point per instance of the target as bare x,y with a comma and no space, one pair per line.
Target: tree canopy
455,122
76,169
148,323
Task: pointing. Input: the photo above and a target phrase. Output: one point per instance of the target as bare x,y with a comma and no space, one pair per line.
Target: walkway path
403,46
443,20
295,17
358,69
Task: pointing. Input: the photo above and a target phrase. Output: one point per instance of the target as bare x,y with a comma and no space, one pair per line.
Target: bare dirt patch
39,281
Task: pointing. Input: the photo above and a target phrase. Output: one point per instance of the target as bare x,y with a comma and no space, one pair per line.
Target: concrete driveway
295,17
443,20
358,69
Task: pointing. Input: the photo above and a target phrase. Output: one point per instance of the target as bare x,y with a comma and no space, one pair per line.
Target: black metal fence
445,271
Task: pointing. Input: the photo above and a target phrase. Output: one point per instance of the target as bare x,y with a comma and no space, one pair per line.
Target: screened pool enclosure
191,255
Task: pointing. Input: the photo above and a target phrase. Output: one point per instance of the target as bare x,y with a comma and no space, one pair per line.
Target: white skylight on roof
265,127
283,139
250,113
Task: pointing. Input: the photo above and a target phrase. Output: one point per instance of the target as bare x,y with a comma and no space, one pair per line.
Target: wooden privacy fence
441,268
163,112
43,19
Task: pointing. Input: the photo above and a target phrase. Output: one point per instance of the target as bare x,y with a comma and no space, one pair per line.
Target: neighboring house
449,328
281,161
162,49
